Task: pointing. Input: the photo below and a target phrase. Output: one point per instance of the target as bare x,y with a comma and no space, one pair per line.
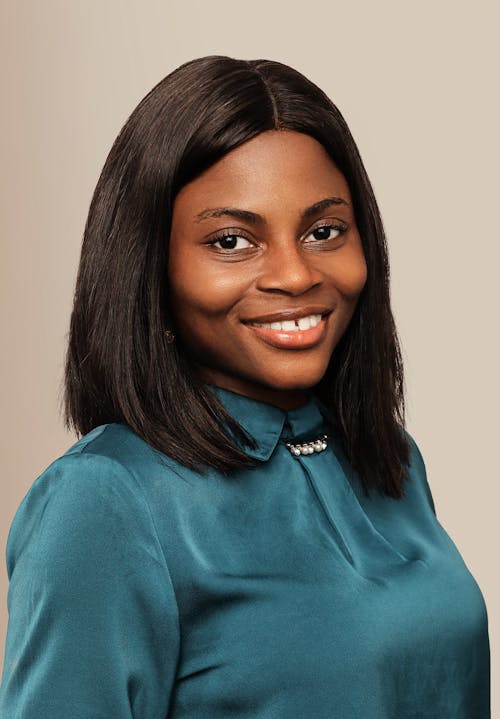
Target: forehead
275,168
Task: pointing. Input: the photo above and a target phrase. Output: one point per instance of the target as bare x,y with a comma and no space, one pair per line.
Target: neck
285,399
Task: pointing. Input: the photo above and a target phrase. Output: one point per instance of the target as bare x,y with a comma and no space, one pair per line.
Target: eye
327,232
230,242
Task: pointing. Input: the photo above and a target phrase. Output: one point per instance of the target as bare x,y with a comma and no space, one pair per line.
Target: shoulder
95,468
90,496
418,471
114,440
110,460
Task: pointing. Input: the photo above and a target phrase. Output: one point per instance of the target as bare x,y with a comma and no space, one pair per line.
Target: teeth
303,323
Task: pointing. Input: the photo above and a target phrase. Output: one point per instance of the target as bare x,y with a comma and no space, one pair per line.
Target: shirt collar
267,424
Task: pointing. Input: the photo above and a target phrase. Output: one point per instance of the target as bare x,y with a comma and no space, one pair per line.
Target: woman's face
265,236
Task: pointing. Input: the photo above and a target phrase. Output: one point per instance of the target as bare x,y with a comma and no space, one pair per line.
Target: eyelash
341,228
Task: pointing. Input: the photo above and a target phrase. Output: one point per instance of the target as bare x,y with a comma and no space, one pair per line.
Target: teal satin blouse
142,590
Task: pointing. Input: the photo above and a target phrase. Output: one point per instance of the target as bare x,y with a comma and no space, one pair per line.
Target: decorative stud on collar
316,445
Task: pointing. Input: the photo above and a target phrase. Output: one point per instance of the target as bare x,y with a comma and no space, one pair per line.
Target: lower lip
301,339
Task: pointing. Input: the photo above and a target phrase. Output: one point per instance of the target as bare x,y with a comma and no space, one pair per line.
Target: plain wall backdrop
418,86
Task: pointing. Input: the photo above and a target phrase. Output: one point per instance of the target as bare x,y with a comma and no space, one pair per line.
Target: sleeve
417,462
93,628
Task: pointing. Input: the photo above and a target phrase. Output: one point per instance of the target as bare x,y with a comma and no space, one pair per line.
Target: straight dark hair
119,366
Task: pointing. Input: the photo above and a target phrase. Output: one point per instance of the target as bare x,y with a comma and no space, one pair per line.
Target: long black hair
119,366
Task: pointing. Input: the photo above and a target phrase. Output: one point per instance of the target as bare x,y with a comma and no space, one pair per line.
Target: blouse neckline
268,424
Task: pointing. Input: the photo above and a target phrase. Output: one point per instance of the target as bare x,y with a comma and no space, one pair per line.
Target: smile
303,323
301,333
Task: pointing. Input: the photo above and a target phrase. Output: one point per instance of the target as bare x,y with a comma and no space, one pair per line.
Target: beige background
417,83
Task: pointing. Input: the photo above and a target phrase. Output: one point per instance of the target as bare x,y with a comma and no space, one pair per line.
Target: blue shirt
142,590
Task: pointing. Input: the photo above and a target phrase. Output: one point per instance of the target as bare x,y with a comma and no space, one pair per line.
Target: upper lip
291,314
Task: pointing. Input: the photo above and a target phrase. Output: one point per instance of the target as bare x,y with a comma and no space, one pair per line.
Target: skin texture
273,264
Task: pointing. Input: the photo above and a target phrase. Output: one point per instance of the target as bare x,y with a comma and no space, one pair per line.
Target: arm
93,623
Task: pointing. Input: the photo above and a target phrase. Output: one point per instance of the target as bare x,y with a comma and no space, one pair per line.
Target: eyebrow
255,218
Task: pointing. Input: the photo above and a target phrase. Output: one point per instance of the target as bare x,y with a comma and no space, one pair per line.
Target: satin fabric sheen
142,590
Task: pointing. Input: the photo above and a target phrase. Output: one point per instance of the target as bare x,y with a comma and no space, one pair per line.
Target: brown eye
327,232
230,242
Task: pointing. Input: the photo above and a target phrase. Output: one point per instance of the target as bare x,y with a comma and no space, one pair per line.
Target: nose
288,269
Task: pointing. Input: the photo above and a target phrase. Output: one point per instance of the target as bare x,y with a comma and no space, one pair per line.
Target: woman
244,528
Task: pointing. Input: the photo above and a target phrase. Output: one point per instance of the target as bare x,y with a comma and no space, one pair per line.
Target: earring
170,336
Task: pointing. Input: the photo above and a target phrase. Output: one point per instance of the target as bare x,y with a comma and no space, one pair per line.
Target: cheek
199,288
351,272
